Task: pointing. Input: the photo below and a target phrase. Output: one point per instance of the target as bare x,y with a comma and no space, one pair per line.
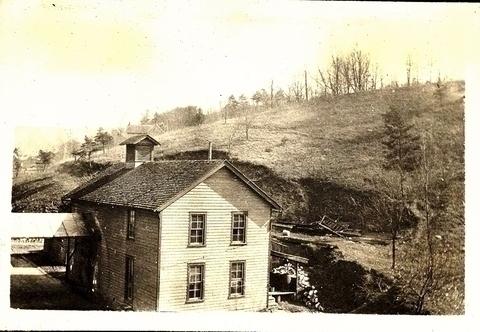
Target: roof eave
140,138
253,186
124,205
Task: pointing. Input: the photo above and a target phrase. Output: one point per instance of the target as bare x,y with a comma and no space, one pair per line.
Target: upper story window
197,229
239,228
131,224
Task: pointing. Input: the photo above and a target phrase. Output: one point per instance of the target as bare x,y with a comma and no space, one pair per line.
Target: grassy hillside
331,138
42,192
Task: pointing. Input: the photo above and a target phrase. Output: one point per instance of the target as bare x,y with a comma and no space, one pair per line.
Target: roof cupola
139,149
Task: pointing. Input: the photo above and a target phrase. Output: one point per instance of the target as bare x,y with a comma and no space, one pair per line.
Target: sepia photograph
281,159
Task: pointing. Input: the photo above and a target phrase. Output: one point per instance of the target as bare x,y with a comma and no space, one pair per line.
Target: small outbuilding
66,238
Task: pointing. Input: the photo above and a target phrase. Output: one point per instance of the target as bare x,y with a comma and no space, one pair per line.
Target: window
129,278
197,229
195,282
239,226
237,279
131,224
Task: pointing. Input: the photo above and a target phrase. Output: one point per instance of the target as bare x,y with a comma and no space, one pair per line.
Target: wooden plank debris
290,257
328,226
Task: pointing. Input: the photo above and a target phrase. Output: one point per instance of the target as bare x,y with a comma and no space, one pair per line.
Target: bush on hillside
82,168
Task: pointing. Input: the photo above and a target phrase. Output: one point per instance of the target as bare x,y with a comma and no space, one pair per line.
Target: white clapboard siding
218,196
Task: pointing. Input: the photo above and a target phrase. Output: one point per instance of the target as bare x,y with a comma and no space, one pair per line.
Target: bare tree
306,87
295,92
350,73
347,76
271,95
360,70
246,110
374,77
332,77
409,66
428,280
17,163
430,69
231,137
390,210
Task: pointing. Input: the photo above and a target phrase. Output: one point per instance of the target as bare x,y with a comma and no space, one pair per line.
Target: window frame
237,295
195,300
238,243
191,244
128,259
131,224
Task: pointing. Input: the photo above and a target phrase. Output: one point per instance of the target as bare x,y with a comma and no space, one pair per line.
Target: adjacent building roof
48,225
156,127
155,185
138,138
139,129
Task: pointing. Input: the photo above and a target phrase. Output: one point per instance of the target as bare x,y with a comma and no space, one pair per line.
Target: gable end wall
218,196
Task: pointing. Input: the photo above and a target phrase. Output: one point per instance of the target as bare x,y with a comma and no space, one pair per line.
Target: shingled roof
138,138
155,185
48,225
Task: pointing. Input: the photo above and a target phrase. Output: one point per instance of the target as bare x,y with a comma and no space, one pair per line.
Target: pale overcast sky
85,64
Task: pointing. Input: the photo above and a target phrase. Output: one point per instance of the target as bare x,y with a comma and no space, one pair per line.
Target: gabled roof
156,185
138,138
252,185
48,225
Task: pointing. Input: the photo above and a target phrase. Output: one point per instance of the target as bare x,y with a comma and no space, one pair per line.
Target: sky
69,67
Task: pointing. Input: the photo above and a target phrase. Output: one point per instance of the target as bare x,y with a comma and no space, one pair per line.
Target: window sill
233,297
238,243
196,245
194,301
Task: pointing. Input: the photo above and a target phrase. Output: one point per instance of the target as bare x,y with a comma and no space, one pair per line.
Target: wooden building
178,235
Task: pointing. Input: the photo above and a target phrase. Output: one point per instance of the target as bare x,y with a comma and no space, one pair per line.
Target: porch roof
47,225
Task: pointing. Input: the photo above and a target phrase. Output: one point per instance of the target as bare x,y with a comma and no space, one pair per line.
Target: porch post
67,269
296,279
